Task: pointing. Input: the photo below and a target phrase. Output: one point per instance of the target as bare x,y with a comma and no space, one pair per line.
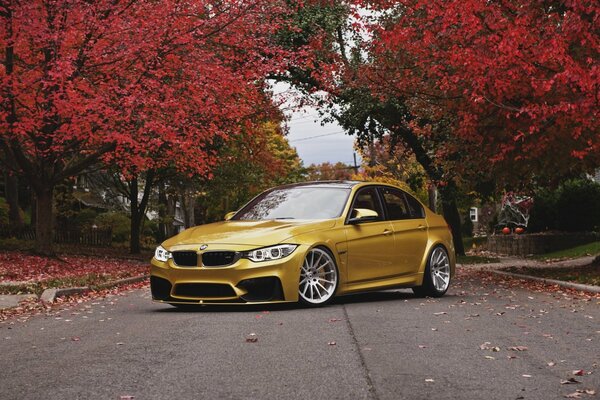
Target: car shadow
365,297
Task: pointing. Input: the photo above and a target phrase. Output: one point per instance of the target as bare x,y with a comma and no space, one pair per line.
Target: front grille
185,258
204,290
219,258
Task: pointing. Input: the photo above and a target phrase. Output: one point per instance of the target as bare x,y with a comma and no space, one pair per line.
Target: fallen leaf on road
587,391
574,395
334,320
551,364
569,381
578,372
518,348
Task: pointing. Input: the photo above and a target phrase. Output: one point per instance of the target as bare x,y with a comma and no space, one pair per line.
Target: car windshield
300,202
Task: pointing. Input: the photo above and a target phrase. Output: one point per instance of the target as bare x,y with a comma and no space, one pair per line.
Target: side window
416,209
367,198
395,204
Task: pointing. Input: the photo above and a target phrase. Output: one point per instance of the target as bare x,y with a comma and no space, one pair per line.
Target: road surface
384,345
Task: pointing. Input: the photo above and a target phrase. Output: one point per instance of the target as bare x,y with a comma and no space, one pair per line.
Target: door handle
387,232
421,227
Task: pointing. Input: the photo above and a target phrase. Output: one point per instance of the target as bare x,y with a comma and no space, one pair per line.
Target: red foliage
22,267
89,77
517,80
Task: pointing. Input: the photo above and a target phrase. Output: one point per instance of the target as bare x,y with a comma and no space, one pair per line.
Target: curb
50,295
569,285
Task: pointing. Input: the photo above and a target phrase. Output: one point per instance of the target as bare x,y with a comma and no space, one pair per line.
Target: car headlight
270,253
161,254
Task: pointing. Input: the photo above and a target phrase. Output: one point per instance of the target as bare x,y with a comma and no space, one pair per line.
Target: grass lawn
590,249
589,274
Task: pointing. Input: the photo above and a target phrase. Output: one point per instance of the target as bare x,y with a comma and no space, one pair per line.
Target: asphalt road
385,345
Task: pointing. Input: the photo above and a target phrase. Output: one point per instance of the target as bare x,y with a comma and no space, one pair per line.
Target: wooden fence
89,237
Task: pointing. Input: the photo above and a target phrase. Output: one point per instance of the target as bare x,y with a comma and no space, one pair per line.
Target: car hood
251,233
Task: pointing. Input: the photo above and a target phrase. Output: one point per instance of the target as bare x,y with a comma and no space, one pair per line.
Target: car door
407,217
369,244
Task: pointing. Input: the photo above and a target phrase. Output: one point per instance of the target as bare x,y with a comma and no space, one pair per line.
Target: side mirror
360,215
229,215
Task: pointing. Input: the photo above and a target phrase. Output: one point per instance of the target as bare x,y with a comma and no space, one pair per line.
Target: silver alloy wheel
318,277
439,265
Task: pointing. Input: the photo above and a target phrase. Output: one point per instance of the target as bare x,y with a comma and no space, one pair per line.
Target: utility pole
355,164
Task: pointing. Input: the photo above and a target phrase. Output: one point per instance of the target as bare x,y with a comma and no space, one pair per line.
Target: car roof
336,184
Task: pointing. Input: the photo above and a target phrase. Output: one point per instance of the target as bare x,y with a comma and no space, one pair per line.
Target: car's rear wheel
437,274
318,278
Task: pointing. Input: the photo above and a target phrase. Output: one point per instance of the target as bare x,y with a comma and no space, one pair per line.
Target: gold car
308,242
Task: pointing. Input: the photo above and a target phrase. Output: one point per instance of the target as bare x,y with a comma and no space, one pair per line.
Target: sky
314,142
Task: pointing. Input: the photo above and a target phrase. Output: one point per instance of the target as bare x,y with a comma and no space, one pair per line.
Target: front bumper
244,282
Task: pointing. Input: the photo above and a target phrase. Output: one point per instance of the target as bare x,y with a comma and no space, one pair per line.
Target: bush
578,206
3,212
118,222
467,227
85,218
575,206
544,214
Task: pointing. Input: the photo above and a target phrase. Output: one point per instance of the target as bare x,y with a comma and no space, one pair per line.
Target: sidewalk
497,268
509,261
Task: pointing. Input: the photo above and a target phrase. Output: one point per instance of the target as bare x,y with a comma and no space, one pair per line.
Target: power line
316,136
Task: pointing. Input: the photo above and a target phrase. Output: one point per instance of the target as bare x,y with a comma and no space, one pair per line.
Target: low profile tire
318,278
436,279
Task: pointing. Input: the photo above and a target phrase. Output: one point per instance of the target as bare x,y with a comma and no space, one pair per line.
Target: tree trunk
432,197
44,221
187,202
11,188
138,209
452,216
162,213
134,238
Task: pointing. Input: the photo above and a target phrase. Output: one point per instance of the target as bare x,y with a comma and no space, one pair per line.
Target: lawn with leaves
590,249
26,273
587,274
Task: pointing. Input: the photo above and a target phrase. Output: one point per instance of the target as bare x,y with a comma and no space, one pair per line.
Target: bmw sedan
308,242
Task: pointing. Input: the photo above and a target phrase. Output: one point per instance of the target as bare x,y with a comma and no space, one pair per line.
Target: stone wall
538,243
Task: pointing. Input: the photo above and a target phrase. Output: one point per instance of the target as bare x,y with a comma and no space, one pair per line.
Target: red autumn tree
514,84
138,83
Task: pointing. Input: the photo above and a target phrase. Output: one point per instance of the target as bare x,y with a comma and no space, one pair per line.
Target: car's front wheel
436,279
318,278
